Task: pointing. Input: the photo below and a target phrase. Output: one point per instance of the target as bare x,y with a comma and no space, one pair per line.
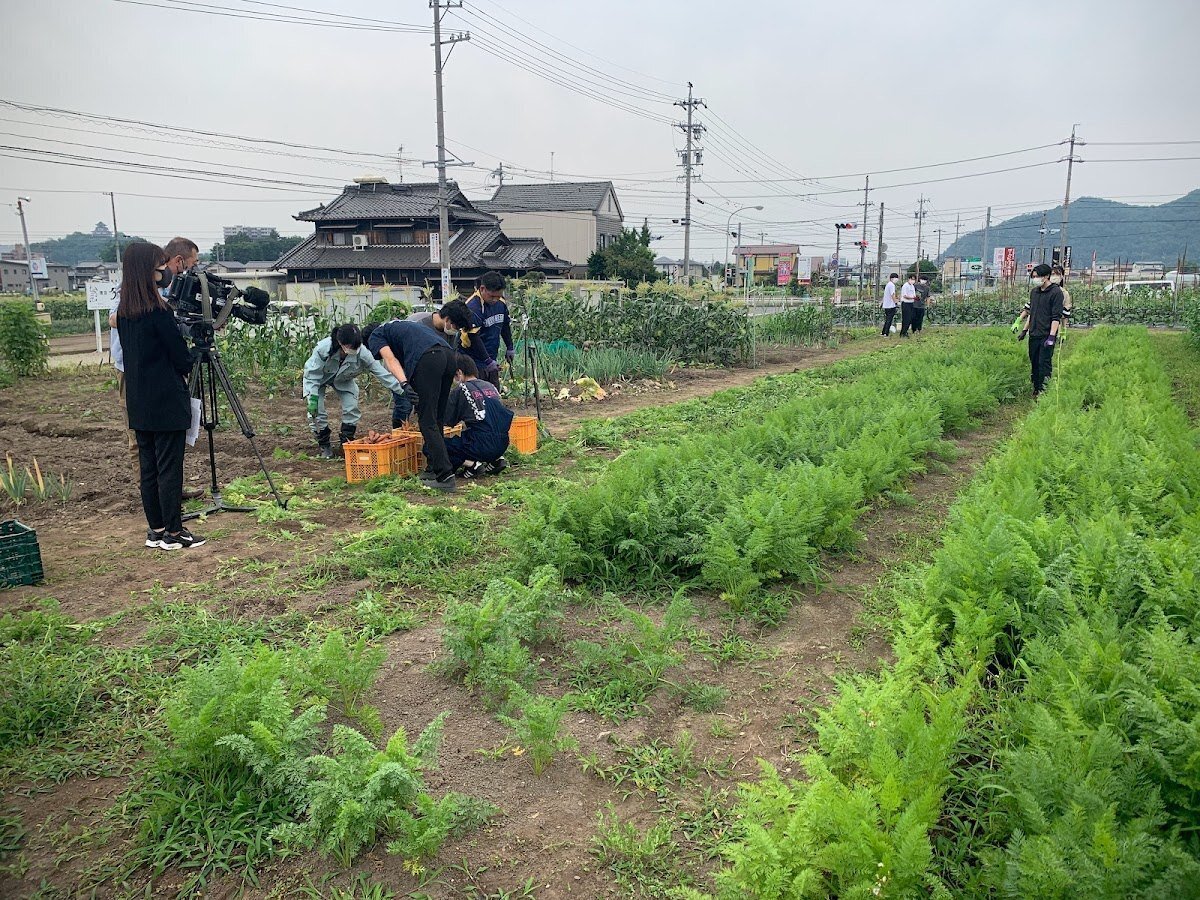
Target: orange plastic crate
523,433
366,461
406,454
410,430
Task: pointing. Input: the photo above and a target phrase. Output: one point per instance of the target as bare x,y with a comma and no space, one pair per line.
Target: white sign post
102,295
435,248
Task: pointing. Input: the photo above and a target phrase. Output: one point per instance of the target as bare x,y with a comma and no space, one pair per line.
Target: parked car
1148,286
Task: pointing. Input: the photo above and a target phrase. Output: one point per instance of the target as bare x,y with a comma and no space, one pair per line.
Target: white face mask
1056,279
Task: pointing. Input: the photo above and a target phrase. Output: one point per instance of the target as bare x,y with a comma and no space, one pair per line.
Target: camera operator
157,364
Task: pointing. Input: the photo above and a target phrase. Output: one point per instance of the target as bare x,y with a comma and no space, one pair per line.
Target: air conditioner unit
360,241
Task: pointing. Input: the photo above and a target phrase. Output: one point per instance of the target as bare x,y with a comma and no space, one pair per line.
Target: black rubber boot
347,434
324,450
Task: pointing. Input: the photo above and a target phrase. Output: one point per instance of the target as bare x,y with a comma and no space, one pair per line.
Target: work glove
1016,325
1024,333
1050,341
493,366
312,405
510,356
409,393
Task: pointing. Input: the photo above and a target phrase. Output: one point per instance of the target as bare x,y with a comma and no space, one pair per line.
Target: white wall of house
569,235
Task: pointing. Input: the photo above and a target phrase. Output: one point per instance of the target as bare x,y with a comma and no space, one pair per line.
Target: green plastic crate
20,556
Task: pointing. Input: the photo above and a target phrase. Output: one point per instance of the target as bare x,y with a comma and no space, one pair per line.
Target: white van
1147,286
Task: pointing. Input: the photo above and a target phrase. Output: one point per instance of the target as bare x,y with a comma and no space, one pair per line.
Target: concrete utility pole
112,200
499,173
987,225
1066,215
443,195
862,243
728,225
1042,239
919,215
28,250
938,232
400,164
691,157
958,250
879,253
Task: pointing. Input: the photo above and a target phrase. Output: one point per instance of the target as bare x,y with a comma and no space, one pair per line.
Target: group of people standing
1041,319
914,296
443,363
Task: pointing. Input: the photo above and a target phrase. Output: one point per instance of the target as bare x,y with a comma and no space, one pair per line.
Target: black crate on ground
20,557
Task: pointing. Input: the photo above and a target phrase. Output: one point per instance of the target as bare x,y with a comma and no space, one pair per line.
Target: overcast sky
793,89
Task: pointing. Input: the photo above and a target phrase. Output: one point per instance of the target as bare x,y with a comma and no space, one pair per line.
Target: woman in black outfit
157,364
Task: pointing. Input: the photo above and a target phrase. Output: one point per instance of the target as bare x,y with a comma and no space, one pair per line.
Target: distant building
101,230
14,277
672,269
763,262
377,233
254,232
573,218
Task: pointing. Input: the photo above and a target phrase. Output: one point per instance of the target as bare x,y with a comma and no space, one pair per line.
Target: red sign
784,269
1009,269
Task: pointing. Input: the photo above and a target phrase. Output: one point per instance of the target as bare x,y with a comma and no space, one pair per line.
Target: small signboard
435,247
37,265
103,295
784,272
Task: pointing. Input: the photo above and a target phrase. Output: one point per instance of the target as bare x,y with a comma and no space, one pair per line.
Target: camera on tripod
226,299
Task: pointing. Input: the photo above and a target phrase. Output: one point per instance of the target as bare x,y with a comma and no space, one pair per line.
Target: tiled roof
393,201
473,247
554,196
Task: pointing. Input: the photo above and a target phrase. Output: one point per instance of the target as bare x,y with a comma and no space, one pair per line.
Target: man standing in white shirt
908,297
889,303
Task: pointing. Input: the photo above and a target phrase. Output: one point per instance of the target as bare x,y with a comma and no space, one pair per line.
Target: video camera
186,296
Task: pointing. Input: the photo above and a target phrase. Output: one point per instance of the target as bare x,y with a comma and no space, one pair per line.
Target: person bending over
416,354
336,363
479,450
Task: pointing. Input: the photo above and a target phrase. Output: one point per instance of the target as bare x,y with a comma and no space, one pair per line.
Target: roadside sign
435,247
37,265
103,295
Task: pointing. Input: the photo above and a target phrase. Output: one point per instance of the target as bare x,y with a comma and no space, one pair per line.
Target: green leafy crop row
1039,732
738,507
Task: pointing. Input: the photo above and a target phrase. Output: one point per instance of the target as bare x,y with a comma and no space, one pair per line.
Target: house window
339,238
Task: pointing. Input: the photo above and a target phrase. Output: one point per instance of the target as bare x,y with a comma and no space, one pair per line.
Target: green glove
1016,325
312,405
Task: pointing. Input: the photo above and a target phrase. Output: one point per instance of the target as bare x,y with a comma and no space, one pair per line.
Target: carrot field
879,627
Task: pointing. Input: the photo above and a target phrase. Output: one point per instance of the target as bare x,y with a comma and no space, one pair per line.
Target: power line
209,9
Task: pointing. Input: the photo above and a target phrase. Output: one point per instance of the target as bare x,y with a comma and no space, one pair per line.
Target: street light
28,250
729,222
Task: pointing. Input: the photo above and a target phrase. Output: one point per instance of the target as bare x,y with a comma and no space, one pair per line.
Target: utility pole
499,173
919,215
21,201
1042,239
400,163
112,200
691,157
1066,215
938,232
443,195
552,165
987,225
862,244
879,253
957,259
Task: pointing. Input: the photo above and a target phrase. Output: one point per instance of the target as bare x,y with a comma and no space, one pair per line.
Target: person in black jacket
157,364
1045,319
423,363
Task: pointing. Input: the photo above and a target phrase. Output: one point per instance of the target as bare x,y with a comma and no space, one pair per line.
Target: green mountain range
1113,230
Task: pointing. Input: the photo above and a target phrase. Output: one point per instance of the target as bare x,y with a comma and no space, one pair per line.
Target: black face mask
164,279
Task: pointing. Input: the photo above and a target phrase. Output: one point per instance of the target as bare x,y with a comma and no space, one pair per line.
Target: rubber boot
324,450
346,435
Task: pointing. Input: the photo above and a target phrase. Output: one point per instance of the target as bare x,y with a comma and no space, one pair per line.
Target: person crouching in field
479,450
336,362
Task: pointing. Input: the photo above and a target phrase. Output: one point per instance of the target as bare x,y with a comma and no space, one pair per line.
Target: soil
95,566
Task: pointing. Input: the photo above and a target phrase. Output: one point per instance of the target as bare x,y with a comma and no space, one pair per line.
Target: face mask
163,281
1056,279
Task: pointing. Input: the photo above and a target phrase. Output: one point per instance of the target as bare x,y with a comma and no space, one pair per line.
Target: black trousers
1041,361
432,379
160,457
918,318
888,316
906,317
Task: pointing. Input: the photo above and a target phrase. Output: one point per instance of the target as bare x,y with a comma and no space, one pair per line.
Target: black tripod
207,372
531,355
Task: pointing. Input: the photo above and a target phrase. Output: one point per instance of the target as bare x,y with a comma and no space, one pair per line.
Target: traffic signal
862,244
844,225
